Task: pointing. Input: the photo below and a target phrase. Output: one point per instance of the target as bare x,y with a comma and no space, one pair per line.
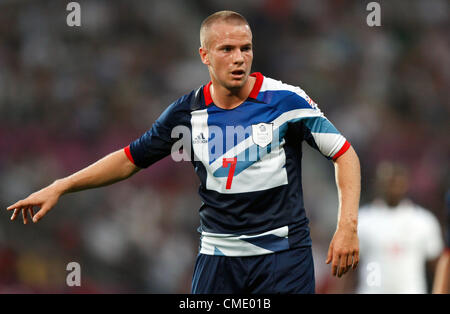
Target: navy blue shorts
290,271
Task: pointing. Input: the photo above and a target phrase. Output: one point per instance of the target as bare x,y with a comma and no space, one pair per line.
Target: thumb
330,254
41,213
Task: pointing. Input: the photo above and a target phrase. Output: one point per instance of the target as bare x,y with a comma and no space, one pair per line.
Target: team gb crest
262,133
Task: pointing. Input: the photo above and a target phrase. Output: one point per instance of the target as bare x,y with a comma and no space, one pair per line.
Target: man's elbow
349,156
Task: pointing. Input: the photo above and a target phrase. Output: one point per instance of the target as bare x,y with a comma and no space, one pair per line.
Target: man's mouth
238,73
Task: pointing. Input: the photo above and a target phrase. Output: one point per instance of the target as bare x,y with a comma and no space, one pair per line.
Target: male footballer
254,234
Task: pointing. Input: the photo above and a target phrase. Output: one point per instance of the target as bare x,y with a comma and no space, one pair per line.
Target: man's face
394,188
228,53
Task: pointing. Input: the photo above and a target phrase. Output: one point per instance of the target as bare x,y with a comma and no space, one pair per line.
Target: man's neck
229,99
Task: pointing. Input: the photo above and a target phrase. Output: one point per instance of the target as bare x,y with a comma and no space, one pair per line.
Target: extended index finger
16,205
29,201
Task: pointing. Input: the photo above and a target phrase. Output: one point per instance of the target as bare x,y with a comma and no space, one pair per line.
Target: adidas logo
200,139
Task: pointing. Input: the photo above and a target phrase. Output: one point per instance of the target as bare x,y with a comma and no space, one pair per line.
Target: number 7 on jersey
232,162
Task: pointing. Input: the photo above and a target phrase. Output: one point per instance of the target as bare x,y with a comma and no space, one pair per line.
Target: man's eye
227,49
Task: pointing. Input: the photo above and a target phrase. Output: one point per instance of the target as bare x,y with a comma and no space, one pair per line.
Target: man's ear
204,55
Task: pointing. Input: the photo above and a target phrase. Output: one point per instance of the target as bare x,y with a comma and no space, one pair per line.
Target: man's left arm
343,252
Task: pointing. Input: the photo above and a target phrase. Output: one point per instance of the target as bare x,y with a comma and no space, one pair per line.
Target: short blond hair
220,16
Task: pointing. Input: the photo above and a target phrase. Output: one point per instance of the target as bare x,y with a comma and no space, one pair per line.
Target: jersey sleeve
317,130
434,243
321,134
156,143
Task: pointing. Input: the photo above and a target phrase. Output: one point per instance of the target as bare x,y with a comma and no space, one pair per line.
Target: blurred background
70,95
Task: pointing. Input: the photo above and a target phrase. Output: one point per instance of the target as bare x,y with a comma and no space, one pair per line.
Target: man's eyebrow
231,45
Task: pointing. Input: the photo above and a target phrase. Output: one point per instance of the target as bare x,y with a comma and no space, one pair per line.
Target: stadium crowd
70,95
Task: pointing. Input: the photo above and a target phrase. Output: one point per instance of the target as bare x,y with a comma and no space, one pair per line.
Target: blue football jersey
248,160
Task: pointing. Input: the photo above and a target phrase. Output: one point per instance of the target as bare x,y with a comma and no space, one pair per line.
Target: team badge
262,134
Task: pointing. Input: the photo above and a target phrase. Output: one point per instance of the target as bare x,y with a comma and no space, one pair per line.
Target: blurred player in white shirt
397,238
441,282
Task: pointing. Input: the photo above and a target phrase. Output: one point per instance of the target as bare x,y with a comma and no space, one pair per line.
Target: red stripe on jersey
128,153
253,94
207,94
256,88
343,149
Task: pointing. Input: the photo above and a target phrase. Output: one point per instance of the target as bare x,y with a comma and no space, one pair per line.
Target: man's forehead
223,31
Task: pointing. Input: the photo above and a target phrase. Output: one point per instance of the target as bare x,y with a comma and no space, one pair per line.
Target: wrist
60,186
349,224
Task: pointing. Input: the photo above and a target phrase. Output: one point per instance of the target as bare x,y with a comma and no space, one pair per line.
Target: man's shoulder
284,91
189,102
179,111
370,211
417,216
193,98
274,85
421,214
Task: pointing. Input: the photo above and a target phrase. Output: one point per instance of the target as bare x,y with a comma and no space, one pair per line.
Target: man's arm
108,170
441,282
343,252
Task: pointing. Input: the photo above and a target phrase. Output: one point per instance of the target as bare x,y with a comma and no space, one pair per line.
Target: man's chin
237,83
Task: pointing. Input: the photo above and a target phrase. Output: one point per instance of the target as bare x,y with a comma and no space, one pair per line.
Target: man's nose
238,56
